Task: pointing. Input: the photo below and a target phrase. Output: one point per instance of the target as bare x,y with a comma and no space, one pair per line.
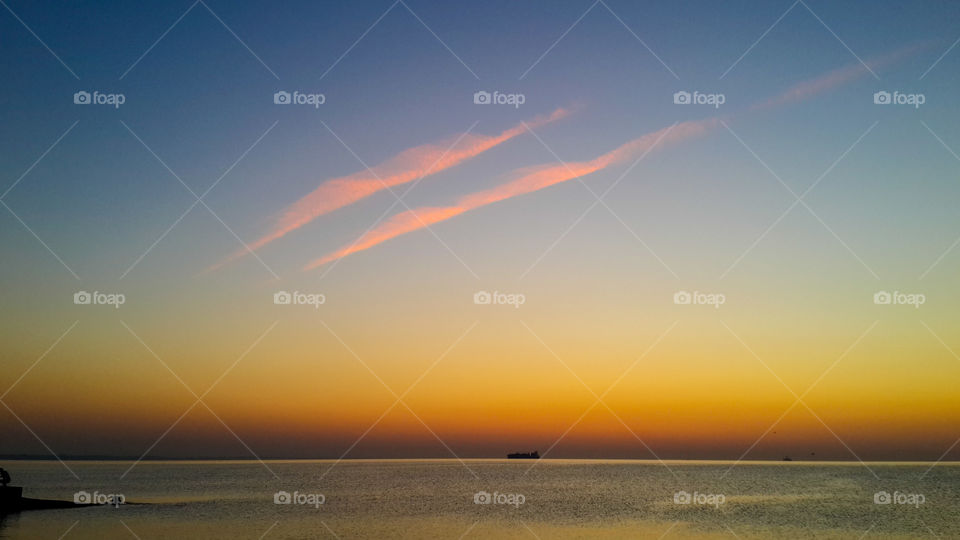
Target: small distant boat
788,458
524,455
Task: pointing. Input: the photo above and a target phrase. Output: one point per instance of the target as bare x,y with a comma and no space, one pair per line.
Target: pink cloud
407,166
529,180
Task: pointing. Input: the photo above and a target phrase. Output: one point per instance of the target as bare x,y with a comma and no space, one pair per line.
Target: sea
487,498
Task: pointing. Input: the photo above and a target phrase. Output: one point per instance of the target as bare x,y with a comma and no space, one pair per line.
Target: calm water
436,499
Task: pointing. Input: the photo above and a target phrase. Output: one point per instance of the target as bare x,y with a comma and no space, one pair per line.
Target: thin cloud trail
527,181
407,166
537,178
837,77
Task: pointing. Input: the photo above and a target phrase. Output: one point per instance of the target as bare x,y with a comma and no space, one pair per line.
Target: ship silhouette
524,455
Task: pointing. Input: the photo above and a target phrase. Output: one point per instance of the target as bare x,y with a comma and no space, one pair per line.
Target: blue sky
199,94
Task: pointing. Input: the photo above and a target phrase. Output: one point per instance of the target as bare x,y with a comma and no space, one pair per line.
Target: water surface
527,499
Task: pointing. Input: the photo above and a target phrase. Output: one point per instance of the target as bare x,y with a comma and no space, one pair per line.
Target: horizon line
333,459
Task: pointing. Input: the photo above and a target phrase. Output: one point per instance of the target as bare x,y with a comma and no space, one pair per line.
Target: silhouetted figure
4,477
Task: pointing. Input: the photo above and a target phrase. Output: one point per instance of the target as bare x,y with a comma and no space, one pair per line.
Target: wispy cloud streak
836,78
525,181
533,179
405,167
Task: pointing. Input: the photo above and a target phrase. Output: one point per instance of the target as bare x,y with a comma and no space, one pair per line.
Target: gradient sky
694,214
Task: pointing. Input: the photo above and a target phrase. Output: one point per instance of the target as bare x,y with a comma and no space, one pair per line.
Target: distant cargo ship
524,455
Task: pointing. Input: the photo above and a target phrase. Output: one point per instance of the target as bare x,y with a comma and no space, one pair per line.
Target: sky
494,276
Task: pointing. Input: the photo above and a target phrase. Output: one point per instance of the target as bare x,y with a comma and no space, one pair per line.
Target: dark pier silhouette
12,499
